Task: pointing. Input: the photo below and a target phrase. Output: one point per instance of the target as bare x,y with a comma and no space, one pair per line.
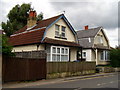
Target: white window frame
105,56
63,31
57,30
83,54
59,53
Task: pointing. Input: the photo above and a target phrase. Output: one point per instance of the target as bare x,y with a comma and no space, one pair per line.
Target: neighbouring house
55,35
95,45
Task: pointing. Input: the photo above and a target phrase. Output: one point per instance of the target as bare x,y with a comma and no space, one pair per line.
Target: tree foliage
17,18
6,48
115,57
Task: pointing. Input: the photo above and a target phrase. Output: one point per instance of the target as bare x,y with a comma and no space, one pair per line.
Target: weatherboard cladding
36,34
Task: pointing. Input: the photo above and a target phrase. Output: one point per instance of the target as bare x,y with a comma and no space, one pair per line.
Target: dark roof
88,33
85,35
85,42
40,24
60,42
27,38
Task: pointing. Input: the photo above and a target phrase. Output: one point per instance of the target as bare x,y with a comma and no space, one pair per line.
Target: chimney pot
86,27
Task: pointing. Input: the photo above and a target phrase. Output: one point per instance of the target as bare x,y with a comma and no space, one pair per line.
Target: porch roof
60,42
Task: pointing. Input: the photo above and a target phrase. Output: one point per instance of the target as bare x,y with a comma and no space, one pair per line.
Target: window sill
60,37
104,60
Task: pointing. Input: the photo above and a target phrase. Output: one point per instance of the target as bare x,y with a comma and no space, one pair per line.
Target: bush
115,57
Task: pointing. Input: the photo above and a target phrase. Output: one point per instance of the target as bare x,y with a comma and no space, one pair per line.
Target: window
57,31
59,53
84,54
63,31
100,39
104,56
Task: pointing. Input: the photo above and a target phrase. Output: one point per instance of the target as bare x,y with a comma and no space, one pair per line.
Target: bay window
59,54
104,55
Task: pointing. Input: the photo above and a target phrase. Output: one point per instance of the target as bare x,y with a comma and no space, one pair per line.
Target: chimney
86,27
31,19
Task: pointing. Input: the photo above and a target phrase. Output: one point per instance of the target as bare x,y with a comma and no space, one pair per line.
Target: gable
42,29
69,34
101,38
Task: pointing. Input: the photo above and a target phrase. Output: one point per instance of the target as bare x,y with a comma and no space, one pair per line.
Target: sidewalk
50,81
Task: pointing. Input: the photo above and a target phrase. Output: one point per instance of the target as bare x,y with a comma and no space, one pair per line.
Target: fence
17,69
69,68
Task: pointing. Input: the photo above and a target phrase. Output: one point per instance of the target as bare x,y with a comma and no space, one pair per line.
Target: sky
93,13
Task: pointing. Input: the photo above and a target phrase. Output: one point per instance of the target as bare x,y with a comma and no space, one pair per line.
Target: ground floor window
104,55
57,53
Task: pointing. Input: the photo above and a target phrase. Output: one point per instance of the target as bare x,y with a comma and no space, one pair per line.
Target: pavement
51,81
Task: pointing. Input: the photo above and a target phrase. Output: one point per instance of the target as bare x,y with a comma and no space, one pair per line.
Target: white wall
28,48
69,34
73,54
88,54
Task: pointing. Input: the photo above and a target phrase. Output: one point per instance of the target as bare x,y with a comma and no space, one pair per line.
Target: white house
95,45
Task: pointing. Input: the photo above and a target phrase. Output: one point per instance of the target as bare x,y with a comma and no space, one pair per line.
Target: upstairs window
100,39
63,31
57,30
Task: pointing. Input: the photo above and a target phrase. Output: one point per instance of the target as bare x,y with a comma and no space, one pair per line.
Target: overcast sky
90,12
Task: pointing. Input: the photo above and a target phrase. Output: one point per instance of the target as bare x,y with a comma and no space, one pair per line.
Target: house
55,35
95,45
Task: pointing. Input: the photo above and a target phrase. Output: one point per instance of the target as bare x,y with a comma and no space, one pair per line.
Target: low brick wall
108,69
69,74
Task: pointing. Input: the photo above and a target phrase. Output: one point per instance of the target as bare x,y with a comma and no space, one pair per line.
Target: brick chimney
31,19
86,27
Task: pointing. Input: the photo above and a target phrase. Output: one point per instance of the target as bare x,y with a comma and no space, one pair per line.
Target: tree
17,18
40,16
6,48
115,57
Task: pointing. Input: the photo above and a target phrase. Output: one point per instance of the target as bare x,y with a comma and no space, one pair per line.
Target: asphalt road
110,81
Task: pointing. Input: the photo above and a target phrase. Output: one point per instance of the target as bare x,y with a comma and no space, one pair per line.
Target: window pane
53,57
102,55
58,50
62,50
54,50
56,33
84,54
56,27
62,57
66,58
63,34
58,57
66,51
63,29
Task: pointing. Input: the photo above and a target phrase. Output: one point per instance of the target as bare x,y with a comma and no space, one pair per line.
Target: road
110,81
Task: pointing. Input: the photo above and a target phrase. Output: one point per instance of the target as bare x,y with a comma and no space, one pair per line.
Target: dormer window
63,31
57,30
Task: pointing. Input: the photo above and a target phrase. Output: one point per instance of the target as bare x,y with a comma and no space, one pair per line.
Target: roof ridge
50,18
89,29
